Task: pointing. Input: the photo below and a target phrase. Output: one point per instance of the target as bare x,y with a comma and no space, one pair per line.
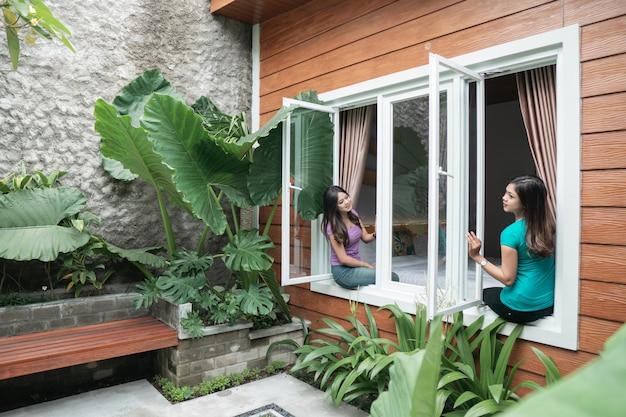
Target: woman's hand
473,245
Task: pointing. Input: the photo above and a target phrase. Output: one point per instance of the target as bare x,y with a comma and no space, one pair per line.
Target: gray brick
248,355
14,314
33,327
226,360
47,312
62,323
199,367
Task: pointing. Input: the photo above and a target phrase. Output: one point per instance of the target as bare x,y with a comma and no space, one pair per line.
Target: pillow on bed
402,243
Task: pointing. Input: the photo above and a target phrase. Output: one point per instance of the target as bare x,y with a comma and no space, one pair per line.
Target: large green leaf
269,277
13,42
181,289
242,145
142,255
117,170
255,300
413,384
135,94
29,223
130,146
313,167
248,252
199,164
225,130
265,179
597,389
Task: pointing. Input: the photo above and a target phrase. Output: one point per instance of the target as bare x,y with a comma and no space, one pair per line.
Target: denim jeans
352,278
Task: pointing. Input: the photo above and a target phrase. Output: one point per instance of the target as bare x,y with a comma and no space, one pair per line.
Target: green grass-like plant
355,362
473,377
222,382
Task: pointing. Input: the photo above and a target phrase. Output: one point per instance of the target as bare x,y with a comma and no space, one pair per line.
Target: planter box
222,350
68,312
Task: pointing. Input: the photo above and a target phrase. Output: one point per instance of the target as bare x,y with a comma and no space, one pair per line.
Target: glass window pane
409,250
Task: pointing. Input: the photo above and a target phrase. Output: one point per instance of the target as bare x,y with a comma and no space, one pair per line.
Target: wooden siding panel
379,30
316,20
604,76
604,113
603,225
604,188
594,333
510,28
603,300
567,361
320,305
603,39
604,150
585,12
432,26
603,263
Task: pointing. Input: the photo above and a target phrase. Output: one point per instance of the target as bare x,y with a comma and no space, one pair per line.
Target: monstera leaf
248,252
29,223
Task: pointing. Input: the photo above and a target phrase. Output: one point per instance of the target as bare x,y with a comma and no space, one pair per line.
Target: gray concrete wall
46,107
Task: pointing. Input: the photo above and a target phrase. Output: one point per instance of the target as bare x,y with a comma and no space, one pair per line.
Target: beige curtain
354,141
537,96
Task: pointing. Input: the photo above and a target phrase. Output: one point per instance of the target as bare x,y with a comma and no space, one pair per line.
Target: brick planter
222,350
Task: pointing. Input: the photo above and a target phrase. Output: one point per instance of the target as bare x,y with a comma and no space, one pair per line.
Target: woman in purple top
343,228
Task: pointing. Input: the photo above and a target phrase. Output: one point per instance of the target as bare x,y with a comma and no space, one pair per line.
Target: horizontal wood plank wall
326,45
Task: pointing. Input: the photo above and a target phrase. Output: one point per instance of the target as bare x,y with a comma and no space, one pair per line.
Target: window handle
294,187
446,173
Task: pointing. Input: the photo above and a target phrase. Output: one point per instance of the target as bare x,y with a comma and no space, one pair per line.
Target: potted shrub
204,160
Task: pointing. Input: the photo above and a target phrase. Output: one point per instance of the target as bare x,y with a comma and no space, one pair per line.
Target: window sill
549,330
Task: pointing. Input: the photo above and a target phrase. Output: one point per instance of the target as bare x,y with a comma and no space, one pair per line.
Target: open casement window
461,194
304,160
456,201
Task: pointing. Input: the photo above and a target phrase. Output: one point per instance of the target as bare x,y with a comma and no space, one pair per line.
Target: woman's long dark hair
333,218
540,225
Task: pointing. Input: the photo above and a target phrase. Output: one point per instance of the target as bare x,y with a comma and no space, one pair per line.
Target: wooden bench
43,351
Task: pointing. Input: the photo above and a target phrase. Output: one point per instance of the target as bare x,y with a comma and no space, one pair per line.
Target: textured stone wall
46,107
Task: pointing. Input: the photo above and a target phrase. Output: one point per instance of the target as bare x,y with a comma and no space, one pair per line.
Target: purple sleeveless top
352,250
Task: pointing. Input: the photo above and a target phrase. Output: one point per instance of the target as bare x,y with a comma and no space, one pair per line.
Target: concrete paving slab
141,399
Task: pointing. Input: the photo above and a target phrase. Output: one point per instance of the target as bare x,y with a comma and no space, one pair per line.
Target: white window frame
560,46
319,263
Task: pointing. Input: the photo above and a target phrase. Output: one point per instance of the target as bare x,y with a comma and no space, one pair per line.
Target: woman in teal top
527,249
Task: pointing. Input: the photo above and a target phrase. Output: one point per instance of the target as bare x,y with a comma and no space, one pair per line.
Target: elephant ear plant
40,220
203,160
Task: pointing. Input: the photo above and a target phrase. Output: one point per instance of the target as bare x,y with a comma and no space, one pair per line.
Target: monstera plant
204,160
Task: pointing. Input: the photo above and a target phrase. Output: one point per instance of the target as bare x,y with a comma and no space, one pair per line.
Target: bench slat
43,351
